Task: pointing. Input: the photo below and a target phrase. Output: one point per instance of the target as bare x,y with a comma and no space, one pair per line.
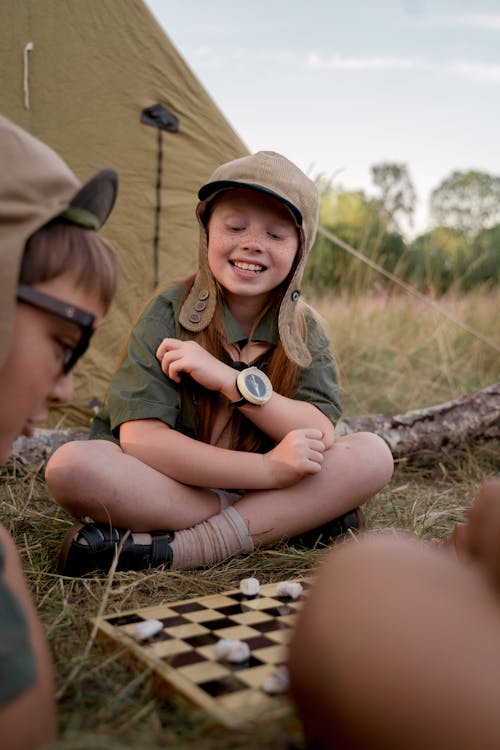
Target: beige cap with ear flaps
273,174
37,186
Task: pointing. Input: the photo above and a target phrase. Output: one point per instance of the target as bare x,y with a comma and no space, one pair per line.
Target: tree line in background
460,252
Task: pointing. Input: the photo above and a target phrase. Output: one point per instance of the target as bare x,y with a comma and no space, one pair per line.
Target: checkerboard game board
182,653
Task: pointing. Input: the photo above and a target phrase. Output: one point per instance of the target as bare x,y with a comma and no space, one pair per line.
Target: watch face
254,386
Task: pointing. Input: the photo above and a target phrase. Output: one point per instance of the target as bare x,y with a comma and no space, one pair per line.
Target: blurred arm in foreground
398,645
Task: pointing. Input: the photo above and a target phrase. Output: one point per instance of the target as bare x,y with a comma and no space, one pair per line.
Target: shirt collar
267,328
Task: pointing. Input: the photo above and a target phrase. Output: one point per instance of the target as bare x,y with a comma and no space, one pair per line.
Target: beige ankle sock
211,541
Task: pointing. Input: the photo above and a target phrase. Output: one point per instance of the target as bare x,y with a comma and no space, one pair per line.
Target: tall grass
394,354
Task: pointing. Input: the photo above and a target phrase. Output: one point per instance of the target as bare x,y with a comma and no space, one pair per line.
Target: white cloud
481,20
489,21
341,62
477,72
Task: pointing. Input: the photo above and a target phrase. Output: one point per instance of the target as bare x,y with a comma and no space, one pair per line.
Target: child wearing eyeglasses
218,435
57,280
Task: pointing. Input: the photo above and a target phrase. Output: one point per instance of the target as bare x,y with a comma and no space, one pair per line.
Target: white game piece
249,586
147,629
232,650
278,682
293,589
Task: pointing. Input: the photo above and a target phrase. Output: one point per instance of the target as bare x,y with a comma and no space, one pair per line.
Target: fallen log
472,417
35,451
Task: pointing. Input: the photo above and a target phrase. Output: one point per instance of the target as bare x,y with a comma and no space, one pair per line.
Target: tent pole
159,117
156,240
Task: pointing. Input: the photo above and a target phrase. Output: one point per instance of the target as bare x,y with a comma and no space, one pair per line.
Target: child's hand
299,453
178,356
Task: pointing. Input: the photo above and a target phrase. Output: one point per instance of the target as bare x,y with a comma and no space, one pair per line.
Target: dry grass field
394,354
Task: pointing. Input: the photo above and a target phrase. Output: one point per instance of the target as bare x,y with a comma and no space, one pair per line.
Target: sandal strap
98,535
102,542
161,551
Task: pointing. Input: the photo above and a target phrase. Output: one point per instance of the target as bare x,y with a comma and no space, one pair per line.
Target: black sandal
102,544
352,521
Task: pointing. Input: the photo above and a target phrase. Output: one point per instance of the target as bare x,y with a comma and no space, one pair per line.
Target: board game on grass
182,654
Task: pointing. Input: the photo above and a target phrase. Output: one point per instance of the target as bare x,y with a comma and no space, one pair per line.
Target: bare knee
366,462
71,474
362,465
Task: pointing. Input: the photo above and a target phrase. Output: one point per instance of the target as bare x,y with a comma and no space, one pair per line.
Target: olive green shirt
17,659
140,390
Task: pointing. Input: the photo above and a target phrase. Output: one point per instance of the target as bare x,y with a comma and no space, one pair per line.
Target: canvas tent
82,75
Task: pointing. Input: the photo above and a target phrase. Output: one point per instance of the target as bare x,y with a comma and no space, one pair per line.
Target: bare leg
398,646
29,720
354,470
97,479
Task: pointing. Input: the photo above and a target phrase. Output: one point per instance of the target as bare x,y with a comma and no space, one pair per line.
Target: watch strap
241,402
240,366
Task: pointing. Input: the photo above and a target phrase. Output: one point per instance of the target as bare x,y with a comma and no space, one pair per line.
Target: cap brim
213,187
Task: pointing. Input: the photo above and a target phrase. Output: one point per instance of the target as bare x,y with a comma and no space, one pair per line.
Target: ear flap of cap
96,198
289,331
199,306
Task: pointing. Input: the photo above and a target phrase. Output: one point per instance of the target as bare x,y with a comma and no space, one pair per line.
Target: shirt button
200,306
203,294
195,317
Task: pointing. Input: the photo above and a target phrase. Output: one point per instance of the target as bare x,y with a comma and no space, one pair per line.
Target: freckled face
32,376
252,242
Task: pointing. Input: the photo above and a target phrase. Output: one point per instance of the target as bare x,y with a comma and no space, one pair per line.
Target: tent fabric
78,75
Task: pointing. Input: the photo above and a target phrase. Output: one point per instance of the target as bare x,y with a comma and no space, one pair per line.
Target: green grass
395,354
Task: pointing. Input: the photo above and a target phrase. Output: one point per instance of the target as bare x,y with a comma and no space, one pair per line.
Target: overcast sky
340,86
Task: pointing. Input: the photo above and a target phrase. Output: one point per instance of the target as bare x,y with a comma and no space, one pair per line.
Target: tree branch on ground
475,416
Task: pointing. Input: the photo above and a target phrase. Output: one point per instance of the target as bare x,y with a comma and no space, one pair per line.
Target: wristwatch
253,386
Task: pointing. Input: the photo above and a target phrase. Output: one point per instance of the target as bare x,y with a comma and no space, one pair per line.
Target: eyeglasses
81,318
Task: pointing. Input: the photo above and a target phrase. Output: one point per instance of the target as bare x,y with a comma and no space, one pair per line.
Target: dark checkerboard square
173,622
161,636
252,661
187,607
230,609
185,659
239,597
269,625
205,639
260,641
224,686
125,619
285,609
223,622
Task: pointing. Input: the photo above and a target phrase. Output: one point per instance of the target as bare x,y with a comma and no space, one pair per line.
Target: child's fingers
311,433
167,345
317,456
171,365
310,436
317,445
